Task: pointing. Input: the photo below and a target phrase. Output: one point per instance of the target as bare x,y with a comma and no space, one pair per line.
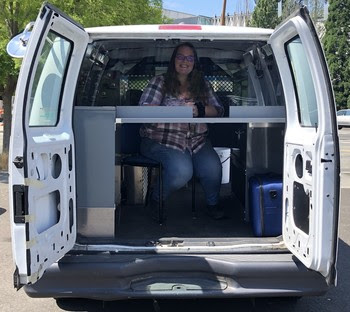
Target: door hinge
308,166
18,162
20,203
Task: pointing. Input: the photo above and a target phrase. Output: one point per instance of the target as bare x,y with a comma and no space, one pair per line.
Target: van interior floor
136,227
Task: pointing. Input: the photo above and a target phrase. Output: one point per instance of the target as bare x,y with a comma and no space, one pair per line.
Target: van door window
303,82
46,90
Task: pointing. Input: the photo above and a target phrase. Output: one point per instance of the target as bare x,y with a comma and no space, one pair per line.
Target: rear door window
48,80
307,104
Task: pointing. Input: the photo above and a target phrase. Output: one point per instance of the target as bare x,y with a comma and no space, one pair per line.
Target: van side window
46,91
303,83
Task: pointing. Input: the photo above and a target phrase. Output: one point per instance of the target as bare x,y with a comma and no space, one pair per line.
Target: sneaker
215,211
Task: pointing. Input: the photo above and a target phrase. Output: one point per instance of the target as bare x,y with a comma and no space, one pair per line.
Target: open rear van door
41,163
311,152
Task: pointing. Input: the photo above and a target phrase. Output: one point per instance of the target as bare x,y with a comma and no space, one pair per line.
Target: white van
78,222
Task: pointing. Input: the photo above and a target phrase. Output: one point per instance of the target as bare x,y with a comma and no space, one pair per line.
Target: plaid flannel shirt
179,136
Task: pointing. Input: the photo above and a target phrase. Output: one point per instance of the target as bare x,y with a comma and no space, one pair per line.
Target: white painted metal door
42,164
311,155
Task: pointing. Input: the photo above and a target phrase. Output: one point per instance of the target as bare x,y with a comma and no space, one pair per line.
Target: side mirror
18,44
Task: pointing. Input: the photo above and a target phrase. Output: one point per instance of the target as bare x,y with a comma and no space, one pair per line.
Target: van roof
179,31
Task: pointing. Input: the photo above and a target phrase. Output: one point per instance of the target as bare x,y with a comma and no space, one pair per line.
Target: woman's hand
194,107
211,111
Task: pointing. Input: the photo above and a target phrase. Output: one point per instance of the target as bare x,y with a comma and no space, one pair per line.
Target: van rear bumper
112,277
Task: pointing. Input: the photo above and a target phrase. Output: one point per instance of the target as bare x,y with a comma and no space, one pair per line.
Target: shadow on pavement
168,305
4,177
175,305
343,270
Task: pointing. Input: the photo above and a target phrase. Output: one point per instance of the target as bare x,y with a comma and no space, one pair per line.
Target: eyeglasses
188,58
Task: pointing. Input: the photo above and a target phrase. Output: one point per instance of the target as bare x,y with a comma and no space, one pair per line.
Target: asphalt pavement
337,299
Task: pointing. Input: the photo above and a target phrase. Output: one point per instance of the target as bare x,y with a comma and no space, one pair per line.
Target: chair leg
149,181
148,193
160,211
122,194
119,212
194,215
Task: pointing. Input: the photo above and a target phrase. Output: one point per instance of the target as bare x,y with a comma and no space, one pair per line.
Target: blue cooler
265,204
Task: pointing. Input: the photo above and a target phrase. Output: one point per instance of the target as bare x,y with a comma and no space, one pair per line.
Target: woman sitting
182,148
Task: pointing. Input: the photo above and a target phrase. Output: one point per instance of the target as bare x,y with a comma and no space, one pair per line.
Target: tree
265,14
336,43
316,9
288,7
15,14
13,17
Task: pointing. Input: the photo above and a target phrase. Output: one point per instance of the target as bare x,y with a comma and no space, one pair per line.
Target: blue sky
206,7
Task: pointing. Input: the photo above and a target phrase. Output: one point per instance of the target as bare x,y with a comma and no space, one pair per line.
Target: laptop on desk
154,112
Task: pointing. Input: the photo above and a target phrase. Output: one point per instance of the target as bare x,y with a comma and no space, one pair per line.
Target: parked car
343,118
76,234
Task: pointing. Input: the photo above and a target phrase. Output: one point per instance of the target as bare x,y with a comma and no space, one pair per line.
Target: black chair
130,156
132,97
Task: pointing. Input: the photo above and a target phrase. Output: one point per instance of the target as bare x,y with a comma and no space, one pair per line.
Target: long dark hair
197,84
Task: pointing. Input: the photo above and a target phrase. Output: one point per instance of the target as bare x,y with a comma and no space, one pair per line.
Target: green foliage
13,18
15,14
265,14
316,9
336,43
112,12
7,64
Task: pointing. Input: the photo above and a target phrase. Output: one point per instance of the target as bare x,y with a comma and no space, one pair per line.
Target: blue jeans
178,168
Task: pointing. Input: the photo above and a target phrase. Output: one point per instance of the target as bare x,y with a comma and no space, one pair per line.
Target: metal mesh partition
224,86
218,83
132,82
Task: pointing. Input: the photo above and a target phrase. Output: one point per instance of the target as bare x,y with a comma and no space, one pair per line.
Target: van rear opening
111,198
